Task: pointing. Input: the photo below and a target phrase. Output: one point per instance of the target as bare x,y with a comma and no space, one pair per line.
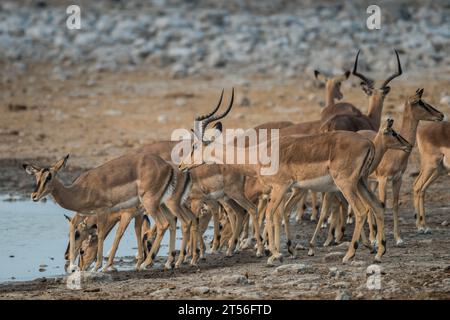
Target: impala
433,141
372,120
394,162
325,162
125,182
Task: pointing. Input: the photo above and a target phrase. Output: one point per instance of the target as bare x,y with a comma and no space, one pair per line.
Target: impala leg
217,235
125,219
72,266
278,218
172,220
161,223
262,208
382,189
276,196
333,222
396,185
101,226
326,202
372,202
351,194
287,230
189,229
343,209
298,196
138,221
372,233
238,224
426,177
252,211
314,205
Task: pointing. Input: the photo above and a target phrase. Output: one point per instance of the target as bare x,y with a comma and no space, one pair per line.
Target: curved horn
230,105
399,72
203,117
218,117
368,81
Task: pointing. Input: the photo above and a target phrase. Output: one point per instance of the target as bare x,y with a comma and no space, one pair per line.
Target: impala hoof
347,258
275,260
399,243
377,259
109,269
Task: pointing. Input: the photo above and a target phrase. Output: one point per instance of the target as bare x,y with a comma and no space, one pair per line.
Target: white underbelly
320,184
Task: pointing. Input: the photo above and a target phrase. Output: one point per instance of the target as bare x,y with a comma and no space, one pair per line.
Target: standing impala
324,162
372,120
125,182
394,162
433,141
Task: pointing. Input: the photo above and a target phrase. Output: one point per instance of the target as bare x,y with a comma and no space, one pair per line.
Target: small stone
343,295
162,118
113,112
42,269
233,279
444,223
215,59
333,271
11,256
200,290
445,100
180,102
358,263
291,268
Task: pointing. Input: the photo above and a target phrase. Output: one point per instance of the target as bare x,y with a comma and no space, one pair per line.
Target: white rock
445,100
291,268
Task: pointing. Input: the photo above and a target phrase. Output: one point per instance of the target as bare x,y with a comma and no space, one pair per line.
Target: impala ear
30,169
419,92
68,218
386,90
218,126
319,76
60,164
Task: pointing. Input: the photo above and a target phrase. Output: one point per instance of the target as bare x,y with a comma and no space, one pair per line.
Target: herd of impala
345,155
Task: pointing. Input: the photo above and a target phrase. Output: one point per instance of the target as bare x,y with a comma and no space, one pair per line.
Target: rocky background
197,37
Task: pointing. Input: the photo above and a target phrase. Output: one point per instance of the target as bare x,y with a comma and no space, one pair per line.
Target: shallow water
35,234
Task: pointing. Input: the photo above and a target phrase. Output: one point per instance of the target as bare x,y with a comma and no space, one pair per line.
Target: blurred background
138,69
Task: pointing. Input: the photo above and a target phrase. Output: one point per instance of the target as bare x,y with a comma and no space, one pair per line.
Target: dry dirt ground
95,118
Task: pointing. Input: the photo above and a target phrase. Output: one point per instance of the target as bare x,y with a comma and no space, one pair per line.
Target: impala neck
409,125
329,96
380,150
69,197
375,109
